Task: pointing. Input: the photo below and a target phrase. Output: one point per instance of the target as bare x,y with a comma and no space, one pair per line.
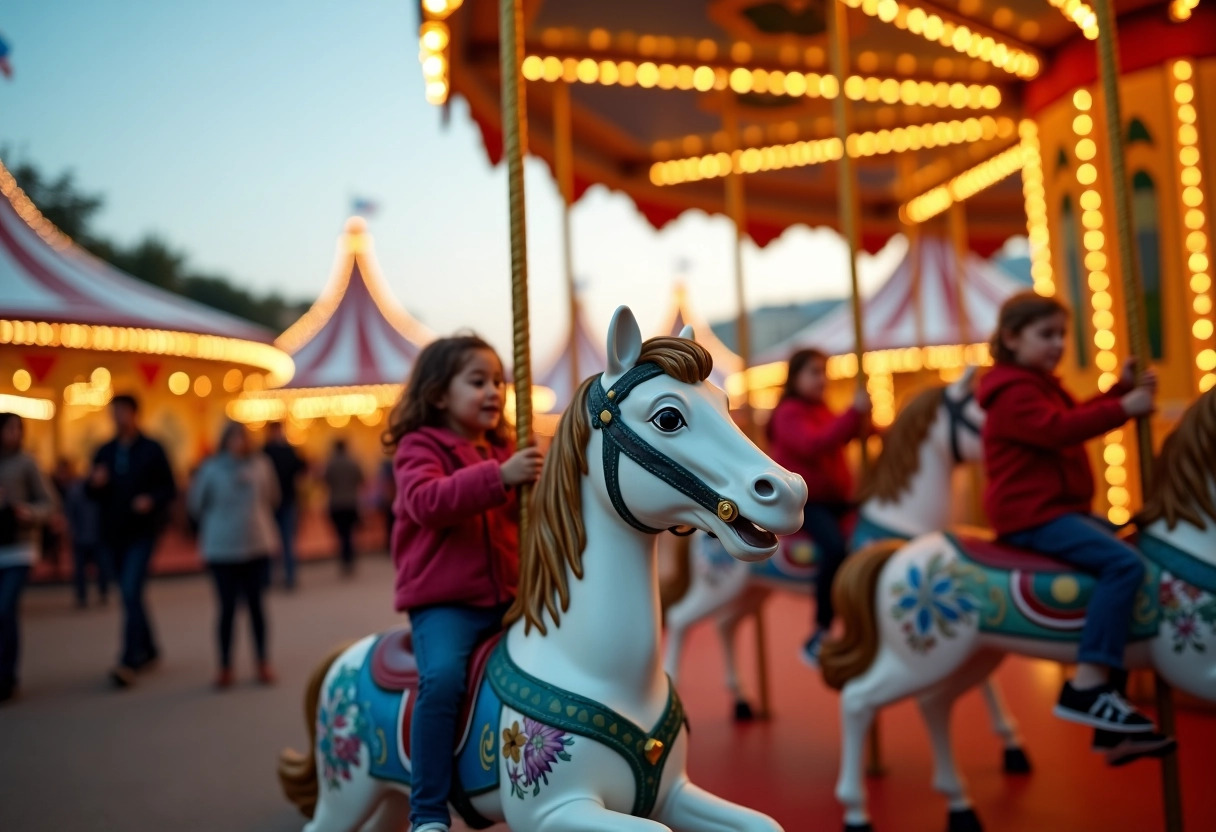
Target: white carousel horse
907,494
553,741
931,617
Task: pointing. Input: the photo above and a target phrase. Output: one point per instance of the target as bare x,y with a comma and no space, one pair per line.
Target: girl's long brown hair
438,363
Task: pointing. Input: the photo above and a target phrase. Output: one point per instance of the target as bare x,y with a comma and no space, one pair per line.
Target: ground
173,755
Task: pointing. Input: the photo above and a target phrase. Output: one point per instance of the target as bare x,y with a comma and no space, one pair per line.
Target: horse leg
712,589
586,814
728,625
888,679
346,807
393,814
689,808
1005,726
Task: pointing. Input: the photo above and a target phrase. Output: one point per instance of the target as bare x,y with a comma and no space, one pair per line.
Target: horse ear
687,334
624,344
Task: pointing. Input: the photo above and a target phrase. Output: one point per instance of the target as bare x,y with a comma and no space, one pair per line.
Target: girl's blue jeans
444,639
1089,544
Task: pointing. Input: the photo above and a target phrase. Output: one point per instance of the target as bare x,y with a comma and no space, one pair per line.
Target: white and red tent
581,354
898,315
356,334
680,314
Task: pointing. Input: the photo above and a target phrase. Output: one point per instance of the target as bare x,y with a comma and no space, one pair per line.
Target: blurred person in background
133,485
26,502
83,520
343,477
386,494
288,468
233,498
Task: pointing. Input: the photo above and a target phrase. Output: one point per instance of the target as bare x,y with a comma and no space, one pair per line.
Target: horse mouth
754,536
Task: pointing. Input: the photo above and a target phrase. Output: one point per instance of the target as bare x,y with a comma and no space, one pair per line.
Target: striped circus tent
680,314
898,315
353,349
580,354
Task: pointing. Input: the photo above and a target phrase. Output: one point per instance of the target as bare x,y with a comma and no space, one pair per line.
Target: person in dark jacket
343,477
83,518
1039,493
288,468
133,484
806,437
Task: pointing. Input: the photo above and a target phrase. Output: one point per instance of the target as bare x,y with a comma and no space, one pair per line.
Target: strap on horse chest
645,752
619,438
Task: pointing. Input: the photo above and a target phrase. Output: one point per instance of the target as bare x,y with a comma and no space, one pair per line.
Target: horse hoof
964,820
743,711
1016,761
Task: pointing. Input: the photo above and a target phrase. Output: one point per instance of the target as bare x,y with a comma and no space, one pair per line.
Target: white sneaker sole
1070,715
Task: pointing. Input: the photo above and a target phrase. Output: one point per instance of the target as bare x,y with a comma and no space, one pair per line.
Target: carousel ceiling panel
675,18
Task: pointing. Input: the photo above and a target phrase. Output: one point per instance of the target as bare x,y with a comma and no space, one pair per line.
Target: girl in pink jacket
455,541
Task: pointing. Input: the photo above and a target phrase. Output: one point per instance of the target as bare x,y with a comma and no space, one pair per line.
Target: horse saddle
394,668
980,546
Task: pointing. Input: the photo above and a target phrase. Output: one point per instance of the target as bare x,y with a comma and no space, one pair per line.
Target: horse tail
853,592
674,585
298,772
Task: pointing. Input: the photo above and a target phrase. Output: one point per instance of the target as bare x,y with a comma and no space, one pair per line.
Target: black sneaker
1101,707
1121,749
122,676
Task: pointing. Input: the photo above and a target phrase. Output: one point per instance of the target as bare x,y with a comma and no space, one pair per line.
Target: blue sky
241,131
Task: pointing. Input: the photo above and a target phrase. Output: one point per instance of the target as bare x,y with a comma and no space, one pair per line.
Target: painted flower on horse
1186,609
931,602
539,747
343,728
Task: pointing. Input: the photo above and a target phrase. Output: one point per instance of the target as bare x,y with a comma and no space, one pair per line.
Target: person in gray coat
233,498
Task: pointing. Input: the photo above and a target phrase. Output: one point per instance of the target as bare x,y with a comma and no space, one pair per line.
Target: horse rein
619,438
956,409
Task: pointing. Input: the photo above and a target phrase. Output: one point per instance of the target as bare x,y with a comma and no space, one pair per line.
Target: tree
152,259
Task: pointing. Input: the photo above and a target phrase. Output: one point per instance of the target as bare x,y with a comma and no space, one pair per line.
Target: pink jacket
456,539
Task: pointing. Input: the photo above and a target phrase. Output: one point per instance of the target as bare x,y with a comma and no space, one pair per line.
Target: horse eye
668,420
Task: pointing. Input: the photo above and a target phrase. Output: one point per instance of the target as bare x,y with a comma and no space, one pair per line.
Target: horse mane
1184,470
555,539
892,472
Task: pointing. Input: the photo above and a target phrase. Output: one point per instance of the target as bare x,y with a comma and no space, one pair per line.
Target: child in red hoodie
1039,494
806,437
455,541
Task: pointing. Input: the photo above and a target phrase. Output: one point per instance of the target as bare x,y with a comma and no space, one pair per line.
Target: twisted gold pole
1137,331
515,147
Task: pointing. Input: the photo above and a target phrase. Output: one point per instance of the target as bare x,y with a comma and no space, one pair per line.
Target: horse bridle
956,409
605,409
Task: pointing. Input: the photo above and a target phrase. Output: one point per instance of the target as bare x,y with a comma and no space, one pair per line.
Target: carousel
970,122
74,331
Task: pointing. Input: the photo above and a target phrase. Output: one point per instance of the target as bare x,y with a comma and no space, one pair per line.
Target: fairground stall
75,331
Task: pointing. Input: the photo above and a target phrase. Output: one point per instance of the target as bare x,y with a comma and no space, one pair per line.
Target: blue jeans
822,522
131,559
1088,544
12,582
82,555
286,517
444,638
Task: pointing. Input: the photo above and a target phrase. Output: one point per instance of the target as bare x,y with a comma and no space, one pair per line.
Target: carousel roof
898,316
580,351
356,333
940,95
45,277
681,315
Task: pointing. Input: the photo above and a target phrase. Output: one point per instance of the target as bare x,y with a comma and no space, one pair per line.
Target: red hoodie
809,439
456,539
1034,446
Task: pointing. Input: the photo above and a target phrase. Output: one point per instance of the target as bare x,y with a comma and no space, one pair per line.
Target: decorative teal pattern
531,752
931,602
344,728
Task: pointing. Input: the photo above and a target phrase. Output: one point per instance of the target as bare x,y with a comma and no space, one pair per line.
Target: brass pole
958,239
564,140
1137,330
736,207
515,147
850,220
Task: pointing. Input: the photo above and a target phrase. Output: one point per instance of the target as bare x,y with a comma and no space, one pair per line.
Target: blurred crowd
241,511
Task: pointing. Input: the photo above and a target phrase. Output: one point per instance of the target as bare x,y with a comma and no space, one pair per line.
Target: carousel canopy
915,310
943,97
581,352
356,334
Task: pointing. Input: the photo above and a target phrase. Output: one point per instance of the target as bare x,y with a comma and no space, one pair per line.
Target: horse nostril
764,487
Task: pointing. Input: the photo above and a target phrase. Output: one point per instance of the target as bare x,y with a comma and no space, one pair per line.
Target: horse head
665,452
